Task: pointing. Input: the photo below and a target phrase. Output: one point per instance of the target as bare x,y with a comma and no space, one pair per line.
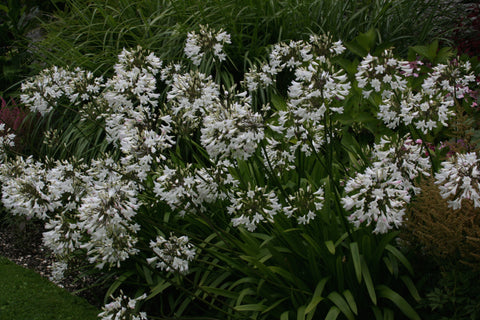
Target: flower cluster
253,206
381,192
123,308
186,190
304,204
459,178
7,139
173,254
206,41
44,92
233,130
190,96
427,108
130,119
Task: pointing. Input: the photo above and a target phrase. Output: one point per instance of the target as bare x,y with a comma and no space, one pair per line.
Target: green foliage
452,294
91,34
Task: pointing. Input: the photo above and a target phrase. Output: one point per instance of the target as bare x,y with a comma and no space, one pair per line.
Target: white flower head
123,308
459,179
377,196
204,42
172,254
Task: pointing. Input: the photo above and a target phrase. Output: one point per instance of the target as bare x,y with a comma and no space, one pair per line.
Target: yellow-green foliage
447,235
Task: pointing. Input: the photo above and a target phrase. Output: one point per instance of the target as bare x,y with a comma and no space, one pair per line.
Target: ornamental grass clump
207,204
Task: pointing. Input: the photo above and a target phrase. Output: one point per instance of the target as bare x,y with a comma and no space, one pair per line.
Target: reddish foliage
467,37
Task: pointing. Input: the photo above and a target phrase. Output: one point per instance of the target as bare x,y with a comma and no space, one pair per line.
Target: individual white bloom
377,196
303,204
58,271
190,96
172,255
123,308
408,156
253,206
25,190
43,92
7,140
106,215
459,178
233,131
383,74
206,41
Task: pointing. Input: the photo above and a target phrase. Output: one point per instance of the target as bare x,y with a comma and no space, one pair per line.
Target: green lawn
25,295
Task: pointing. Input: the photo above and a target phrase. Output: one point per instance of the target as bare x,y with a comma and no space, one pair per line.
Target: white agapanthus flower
407,155
43,92
58,269
25,190
304,204
7,140
232,131
459,178
253,206
206,41
106,214
172,254
377,196
123,308
189,97
187,191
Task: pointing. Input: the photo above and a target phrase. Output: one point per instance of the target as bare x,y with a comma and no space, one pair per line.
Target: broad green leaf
367,40
330,246
332,313
220,292
278,102
257,307
162,285
400,257
351,301
340,302
284,316
317,295
301,313
368,281
411,287
398,300
356,260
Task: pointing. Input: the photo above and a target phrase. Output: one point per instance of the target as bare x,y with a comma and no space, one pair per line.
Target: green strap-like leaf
400,257
368,281
398,300
257,307
340,302
411,288
356,260
330,246
317,295
301,313
332,313
351,301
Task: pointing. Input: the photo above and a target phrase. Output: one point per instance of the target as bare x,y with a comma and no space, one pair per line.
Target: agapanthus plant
245,194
